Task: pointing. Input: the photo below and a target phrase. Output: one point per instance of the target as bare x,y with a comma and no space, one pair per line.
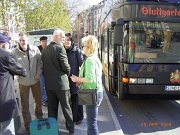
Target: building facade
88,22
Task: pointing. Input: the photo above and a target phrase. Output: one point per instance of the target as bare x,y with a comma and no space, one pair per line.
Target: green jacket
91,69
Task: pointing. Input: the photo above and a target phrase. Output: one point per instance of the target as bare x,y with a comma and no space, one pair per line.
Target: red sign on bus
159,11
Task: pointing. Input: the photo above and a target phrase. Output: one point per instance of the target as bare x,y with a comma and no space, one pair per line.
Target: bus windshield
153,42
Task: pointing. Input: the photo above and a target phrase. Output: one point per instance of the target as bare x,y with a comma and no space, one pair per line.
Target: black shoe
71,131
27,130
70,128
78,122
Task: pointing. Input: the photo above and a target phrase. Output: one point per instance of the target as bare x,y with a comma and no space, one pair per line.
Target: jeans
43,90
92,113
7,127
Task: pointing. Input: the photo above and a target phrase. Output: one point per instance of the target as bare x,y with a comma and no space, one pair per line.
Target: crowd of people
54,73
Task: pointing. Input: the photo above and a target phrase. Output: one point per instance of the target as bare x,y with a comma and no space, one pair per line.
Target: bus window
154,42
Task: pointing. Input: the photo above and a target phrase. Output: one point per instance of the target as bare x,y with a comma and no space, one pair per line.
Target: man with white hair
56,70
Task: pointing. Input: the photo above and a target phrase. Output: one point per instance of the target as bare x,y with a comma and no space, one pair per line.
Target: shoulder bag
87,96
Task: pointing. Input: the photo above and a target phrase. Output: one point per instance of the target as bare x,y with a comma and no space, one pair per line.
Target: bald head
59,36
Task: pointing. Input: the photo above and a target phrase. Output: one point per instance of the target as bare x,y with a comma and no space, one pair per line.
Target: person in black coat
56,70
43,41
75,59
8,105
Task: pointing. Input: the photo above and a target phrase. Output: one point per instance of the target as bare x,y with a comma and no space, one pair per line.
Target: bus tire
122,94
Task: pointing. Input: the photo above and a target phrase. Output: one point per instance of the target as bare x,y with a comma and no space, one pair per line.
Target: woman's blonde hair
90,42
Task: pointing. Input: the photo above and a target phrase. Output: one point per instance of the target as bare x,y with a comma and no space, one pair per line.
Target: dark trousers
24,93
62,96
77,110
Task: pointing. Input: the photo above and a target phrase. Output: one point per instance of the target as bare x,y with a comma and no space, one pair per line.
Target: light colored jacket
32,65
91,69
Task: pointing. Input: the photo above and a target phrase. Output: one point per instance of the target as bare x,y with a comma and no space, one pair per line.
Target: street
130,117
148,116
107,121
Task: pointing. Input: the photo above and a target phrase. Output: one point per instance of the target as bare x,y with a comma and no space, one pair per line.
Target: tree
75,7
43,14
4,8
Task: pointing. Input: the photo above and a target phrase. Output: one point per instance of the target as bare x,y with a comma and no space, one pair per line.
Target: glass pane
154,42
111,47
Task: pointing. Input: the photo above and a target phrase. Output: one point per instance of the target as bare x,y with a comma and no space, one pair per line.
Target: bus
140,48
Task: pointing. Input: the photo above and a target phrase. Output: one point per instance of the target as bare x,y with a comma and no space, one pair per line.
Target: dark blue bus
140,47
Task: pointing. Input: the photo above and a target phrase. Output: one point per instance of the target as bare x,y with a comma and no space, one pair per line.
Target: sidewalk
107,121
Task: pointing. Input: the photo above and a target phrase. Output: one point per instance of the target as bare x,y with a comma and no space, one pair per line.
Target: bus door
112,63
101,42
116,40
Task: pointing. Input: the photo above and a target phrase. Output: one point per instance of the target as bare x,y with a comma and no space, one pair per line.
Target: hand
36,77
15,77
74,78
78,84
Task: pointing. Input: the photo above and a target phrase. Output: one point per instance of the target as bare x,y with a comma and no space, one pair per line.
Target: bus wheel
110,84
112,88
122,94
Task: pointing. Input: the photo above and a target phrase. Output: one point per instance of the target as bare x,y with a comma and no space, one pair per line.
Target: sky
86,3
80,5
93,2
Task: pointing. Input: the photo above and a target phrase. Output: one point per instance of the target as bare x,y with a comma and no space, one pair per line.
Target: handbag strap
95,71
40,123
96,74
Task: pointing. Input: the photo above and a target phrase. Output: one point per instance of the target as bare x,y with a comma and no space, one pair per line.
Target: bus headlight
149,81
141,80
133,80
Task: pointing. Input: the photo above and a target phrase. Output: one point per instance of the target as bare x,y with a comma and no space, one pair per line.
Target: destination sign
159,11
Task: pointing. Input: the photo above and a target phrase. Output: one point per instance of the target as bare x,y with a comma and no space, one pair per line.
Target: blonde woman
90,77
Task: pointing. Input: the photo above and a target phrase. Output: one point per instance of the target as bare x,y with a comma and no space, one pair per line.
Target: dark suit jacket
8,68
40,48
75,59
56,67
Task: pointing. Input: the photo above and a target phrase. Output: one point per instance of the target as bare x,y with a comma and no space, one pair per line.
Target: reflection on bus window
132,49
154,42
